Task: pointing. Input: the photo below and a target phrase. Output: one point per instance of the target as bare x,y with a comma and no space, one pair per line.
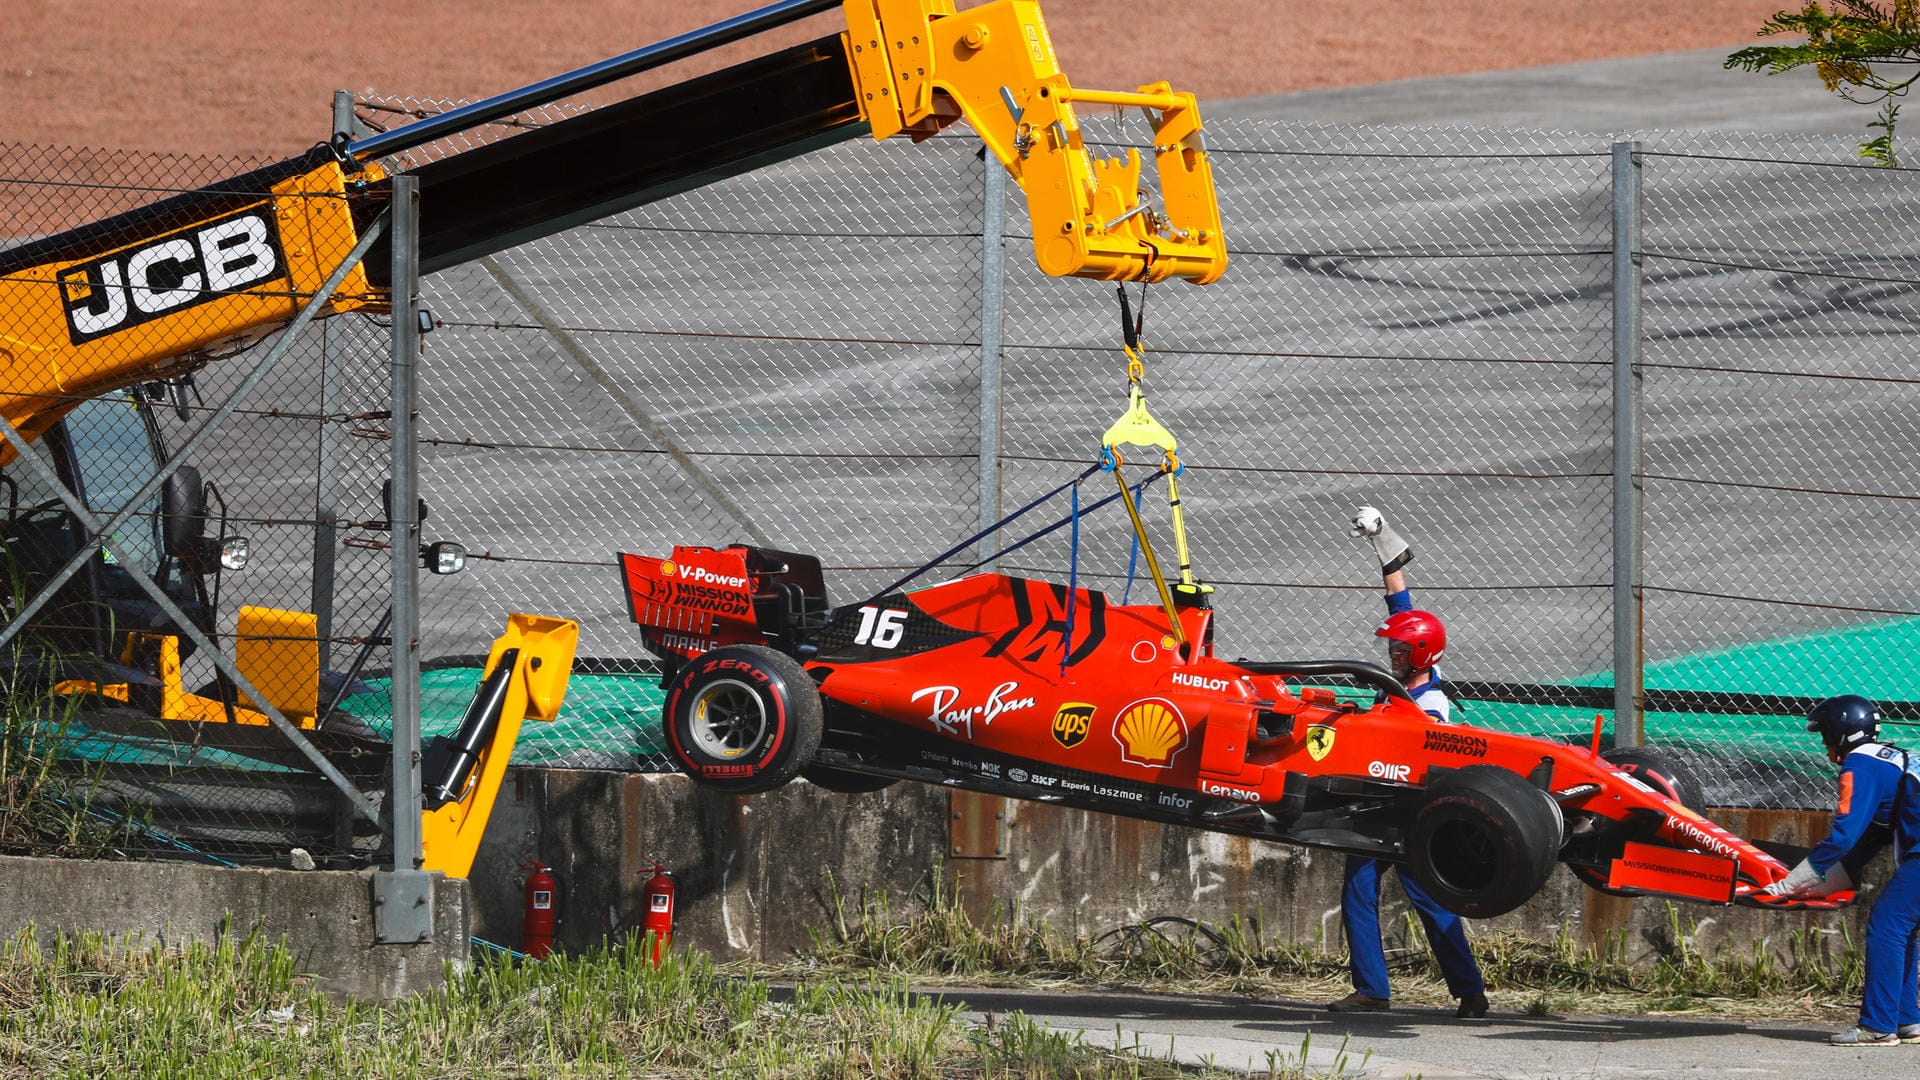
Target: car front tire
1482,840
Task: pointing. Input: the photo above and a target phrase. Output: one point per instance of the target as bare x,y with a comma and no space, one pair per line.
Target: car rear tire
1482,840
844,781
743,718
1658,770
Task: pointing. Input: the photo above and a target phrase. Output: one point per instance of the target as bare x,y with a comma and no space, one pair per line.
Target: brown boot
1358,1002
1472,1007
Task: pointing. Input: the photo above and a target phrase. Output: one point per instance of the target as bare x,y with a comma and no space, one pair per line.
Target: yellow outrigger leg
525,679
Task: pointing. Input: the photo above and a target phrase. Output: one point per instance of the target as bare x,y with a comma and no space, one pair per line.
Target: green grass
82,1007
46,791
934,939
86,1007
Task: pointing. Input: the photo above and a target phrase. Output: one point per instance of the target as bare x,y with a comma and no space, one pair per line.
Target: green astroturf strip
612,715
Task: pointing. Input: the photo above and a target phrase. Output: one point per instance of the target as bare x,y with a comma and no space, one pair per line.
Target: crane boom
161,290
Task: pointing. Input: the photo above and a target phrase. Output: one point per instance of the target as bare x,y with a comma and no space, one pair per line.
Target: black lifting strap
1010,548
1131,327
976,537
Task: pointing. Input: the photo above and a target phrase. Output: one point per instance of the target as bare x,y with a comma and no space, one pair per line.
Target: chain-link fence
147,402
820,355
1420,319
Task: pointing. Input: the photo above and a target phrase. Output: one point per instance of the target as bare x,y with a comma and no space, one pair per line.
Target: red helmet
1423,633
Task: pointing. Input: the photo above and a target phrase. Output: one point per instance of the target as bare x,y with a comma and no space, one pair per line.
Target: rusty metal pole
1629,693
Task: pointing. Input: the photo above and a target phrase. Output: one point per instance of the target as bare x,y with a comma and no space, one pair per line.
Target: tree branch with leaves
1849,45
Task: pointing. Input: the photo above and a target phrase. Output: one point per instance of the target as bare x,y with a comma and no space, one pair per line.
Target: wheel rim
729,719
1464,856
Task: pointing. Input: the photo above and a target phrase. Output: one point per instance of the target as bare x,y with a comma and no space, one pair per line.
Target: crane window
115,454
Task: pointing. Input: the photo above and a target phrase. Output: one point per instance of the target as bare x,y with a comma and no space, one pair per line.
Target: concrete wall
324,916
755,873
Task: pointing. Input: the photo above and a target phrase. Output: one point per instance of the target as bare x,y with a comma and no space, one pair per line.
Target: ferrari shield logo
1319,741
1071,722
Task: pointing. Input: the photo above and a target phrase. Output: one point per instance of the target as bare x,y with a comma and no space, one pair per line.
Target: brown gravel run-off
247,77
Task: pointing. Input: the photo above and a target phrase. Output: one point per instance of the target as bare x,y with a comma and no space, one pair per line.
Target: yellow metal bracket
918,65
1137,427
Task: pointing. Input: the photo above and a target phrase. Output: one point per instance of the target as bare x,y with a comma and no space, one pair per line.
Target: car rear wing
702,598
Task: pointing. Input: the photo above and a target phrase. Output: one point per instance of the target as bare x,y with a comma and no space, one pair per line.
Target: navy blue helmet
1845,722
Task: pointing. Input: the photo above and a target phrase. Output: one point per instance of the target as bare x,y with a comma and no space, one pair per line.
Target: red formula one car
1029,689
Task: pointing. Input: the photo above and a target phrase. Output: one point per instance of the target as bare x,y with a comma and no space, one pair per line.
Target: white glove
1798,882
1838,880
1394,552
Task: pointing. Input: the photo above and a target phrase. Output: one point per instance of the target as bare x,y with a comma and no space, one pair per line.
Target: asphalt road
1258,1036
1686,91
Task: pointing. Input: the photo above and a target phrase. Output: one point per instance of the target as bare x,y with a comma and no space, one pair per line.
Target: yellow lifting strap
1137,427
1146,548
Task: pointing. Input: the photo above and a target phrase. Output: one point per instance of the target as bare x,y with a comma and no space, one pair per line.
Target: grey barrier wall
813,357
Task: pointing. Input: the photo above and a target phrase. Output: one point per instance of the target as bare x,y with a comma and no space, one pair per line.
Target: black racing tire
844,781
743,719
1658,770
1482,840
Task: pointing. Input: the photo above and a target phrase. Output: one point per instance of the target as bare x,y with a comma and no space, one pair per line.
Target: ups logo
1070,724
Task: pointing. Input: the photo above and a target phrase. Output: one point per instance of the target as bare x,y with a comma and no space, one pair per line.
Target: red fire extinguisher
659,920
542,911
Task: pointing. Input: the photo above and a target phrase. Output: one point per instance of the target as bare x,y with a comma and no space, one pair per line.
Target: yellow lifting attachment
919,65
525,679
1137,427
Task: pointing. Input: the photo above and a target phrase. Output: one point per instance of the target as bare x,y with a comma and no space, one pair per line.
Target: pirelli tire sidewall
1482,840
742,719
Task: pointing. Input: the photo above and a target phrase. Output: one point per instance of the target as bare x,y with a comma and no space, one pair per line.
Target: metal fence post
1628,642
992,315
403,908
326,498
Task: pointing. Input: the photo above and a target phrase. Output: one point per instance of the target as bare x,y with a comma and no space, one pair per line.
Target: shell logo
667,569
1150,733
